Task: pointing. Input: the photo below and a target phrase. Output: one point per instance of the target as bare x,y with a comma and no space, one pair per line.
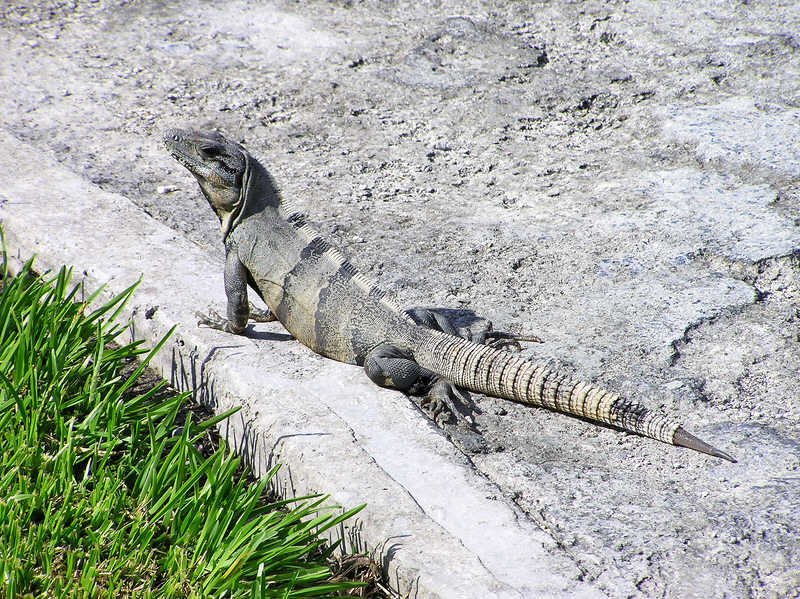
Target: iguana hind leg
479,330
389,366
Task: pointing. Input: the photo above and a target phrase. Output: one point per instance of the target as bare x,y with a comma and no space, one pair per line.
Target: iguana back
314,291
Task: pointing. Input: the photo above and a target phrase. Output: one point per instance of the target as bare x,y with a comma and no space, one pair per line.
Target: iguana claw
212,320
503,340
265,315
444,405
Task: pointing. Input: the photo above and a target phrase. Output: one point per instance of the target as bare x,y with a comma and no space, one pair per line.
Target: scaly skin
330,307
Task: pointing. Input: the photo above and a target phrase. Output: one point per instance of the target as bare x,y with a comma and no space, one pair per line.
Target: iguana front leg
238,310
483,333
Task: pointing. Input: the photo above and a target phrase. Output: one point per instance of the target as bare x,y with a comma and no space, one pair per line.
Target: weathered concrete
622,180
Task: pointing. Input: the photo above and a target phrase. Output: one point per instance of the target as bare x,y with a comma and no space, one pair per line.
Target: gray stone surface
622,179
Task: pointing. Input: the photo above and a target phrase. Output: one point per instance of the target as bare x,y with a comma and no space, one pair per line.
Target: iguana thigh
389,366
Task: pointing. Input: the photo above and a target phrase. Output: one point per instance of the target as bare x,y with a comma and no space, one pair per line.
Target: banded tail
502,374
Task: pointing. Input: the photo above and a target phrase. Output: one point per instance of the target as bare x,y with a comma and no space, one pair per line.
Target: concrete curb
443,529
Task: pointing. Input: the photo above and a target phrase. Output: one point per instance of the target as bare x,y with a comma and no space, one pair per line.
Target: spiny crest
335,257
290,210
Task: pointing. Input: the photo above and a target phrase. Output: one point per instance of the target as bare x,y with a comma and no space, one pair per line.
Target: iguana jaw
218,165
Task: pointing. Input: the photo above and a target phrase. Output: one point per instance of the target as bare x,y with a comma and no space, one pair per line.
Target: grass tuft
101,497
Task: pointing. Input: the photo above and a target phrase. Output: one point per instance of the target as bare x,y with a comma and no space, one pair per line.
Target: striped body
317,295
339,313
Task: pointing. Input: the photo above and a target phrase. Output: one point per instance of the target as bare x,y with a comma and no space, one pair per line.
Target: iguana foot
453,411
479,330
214,321
259,315
503,340
445,404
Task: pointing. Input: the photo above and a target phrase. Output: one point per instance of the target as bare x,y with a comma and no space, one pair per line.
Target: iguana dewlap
330,307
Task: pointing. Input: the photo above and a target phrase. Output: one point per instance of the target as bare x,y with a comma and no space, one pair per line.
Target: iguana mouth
175,140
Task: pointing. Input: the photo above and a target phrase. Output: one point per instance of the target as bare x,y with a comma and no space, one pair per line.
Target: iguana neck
259,194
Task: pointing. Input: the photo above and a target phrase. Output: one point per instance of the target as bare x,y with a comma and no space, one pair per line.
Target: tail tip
682,438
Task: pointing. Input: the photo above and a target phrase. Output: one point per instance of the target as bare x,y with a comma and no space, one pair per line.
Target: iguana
327,305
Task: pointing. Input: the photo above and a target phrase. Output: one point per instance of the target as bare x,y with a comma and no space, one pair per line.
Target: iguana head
220,167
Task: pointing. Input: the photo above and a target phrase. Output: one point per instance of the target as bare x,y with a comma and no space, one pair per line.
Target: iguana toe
503,340
445,405
212,320
259,315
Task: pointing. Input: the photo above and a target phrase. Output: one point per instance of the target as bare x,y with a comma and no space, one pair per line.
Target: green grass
103,494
